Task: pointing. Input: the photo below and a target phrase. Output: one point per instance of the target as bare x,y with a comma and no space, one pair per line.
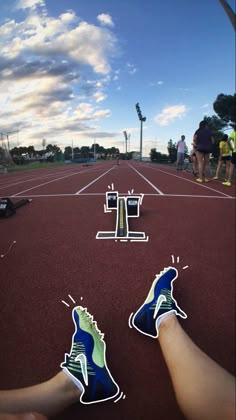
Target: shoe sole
76,381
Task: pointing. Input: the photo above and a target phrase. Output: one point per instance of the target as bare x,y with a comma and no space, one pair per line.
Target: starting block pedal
8,208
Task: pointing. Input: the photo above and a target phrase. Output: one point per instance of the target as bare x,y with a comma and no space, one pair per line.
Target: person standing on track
225,156
203,140
233,157
117,157
181,148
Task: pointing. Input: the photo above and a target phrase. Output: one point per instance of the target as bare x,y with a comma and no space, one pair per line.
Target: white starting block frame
126,207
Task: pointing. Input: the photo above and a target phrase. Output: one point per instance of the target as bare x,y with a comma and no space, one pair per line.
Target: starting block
8,208
126,207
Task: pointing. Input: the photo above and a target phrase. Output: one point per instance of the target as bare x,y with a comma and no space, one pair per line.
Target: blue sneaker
158,304
86,364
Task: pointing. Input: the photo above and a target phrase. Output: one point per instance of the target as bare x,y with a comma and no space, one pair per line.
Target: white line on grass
153,186
88,185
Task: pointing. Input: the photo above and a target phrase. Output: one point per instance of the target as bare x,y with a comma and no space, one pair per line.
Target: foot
227,183
199,180
206,180
215,177
86,364
158,304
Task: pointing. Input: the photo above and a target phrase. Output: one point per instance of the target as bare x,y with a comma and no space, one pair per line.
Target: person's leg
227,163
48,398
85,376
203,389
206,166
231,170
200,166
181,161
177,161
194,163
218,169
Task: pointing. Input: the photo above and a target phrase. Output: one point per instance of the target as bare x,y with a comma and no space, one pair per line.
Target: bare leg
218,168
206,165
227,169
194,163
203,389
231,170
200,164
48,398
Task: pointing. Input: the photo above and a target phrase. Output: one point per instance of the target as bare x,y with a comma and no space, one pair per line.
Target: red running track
56,254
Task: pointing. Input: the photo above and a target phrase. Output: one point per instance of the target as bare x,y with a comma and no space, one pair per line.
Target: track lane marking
88,185
124,194
53,180
149,182
188,180
3,186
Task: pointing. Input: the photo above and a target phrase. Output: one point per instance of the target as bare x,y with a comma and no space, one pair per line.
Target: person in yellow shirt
225,156
233,157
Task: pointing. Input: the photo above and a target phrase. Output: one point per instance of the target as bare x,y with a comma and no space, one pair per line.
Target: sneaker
86,364
206,180
215,177
227,184
199,180
158,304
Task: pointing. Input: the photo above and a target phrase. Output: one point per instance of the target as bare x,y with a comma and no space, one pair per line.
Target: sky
71,71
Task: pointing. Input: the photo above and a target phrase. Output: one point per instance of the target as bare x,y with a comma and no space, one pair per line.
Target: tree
53,148
31,150
85,151
68,152
172,151
225,107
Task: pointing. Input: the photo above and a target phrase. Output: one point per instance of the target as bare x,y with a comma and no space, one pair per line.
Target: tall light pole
141,119
126,138
230,13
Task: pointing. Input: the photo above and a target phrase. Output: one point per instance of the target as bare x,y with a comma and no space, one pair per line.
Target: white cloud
32,4
99,96
105,19
131,68
44,67
205,106
159,83
169,114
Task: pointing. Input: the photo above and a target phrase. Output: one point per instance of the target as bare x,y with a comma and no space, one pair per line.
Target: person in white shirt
181,148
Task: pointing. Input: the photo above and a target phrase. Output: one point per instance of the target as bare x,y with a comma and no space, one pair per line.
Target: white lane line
124,194
46,176
53,180
22,182
88,185
189,180
149,182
